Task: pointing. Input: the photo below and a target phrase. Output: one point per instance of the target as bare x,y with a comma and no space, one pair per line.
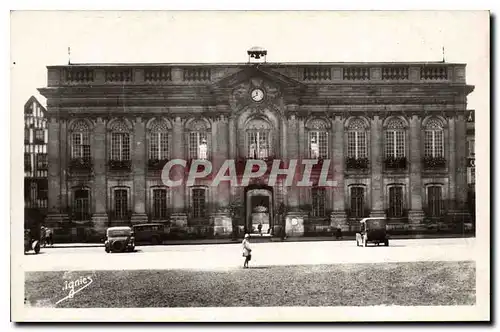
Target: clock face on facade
257,94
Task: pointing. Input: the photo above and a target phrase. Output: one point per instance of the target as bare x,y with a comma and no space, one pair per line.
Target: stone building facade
395,135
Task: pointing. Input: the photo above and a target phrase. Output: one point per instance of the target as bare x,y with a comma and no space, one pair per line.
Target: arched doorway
259,209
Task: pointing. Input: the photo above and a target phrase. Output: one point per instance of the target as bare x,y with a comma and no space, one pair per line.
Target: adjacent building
396,135
35,162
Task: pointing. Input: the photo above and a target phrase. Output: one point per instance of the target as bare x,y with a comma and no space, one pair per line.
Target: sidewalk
261,240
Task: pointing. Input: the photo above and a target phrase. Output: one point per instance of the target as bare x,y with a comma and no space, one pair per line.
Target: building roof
239,64
29,103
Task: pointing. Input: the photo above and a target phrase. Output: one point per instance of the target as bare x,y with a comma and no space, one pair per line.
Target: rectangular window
395,202
120,146
435,201
318,144
395,144
199,202
158,146
159,204
27,162
121,204
39,135
356,144
80,145
42,162
471,148
318,202
258,144
471,175
81,205
26,135
198,145
357,202
433,143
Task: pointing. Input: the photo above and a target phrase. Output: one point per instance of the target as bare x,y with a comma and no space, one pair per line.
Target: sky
40,38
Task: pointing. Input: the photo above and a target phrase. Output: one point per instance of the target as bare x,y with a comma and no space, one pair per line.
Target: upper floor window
120,141
199,143
395,138
158,140
434,139
258,138
26,135
356,139
39,135
80,140
318,202
317,138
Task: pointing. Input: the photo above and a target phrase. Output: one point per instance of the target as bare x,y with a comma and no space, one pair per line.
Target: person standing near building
246,250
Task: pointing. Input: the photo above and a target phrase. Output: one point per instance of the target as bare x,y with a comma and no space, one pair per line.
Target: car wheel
37,248
118,246
107,250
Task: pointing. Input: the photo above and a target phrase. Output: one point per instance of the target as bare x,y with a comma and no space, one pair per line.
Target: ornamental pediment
255,73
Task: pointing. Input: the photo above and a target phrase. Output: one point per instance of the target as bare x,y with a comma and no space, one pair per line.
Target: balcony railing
84,163
78,75
120,165
156,164
118,75
157,75
392,163
197,74
434,162
356,73
395,73
434,73
357,163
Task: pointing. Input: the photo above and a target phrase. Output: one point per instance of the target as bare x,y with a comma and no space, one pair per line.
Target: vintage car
153,233
119,239
31,242
373,230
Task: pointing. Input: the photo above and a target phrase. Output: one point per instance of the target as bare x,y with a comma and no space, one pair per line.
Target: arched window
80,140
433,139
199,142
395,138
317,138
356,139
120,141
258,135
159,148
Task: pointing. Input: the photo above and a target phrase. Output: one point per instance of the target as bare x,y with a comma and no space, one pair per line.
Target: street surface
228,256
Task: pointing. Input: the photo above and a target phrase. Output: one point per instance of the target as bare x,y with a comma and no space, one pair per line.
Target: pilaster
178,172
338,218
99,216
139,172
293,153
415,215
377,194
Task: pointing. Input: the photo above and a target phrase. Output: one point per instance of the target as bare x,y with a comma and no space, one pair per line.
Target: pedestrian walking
247,251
